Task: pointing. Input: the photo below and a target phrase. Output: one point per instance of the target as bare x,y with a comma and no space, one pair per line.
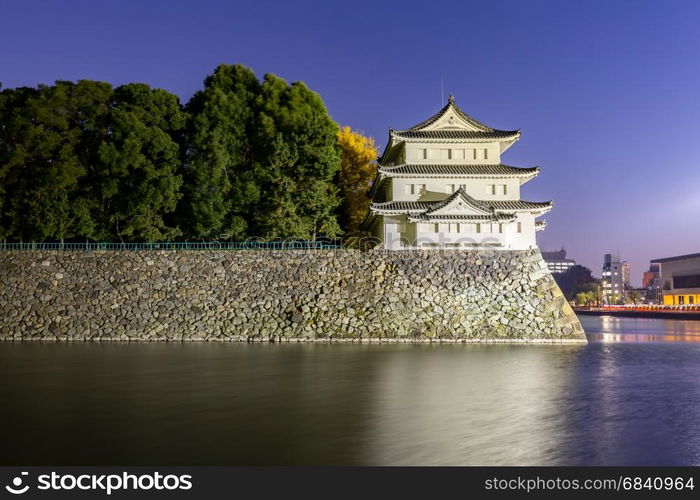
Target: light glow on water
623,329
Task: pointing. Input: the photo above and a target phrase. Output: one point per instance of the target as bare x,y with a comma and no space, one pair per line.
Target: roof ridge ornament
451,99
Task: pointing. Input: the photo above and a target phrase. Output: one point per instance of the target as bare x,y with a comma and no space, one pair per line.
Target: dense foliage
243,158
356,174
578,279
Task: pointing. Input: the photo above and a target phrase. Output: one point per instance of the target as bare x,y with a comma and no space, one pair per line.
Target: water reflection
469,405
632,398
622,329
633,404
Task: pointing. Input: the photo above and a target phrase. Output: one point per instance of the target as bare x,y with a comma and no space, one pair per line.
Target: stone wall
283,296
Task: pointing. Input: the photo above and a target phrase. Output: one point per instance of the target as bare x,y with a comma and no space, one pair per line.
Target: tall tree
634,296
91,107
48,141
15,122
356,174
84,160
296,161
48,166
140,159
220,184
576,279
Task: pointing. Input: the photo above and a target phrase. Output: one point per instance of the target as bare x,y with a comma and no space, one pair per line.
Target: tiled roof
498,217
422,206
453,134
519,205
483,131
403,206
460,193
458,170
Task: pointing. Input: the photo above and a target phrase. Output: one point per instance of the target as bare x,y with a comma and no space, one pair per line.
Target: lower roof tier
404,207
457,170
495,217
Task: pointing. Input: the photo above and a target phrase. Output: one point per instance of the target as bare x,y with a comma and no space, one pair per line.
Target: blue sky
605,92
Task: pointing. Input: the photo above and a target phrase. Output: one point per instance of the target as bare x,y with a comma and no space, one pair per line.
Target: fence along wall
326,295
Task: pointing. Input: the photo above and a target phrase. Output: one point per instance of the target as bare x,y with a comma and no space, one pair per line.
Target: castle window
478,228
436,228
474,153
424,154
414,188
491,189
520,227
505,188
486,154
451,188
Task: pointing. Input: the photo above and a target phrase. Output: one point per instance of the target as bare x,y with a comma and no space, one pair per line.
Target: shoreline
693,316
295,340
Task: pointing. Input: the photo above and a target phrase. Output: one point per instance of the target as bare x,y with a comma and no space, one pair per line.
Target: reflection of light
610,329
470,405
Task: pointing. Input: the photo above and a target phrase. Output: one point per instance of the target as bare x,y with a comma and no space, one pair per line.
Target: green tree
47,166
220,185
634,296
48,141
91,106
295,163
15,122
575,279
138,181
84,160
582,299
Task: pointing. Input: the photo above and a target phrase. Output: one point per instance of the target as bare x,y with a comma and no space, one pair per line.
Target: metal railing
175,246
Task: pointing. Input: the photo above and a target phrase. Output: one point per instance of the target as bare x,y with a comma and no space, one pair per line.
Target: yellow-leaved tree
356,174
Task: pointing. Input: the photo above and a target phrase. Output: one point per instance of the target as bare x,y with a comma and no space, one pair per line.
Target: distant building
680,279
652,276
612,282
557,262
626,275
651,283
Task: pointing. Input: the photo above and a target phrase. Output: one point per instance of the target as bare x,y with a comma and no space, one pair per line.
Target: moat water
629,397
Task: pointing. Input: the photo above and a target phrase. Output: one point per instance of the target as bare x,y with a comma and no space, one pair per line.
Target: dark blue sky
605,92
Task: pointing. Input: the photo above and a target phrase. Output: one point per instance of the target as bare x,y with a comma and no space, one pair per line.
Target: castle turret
441,184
